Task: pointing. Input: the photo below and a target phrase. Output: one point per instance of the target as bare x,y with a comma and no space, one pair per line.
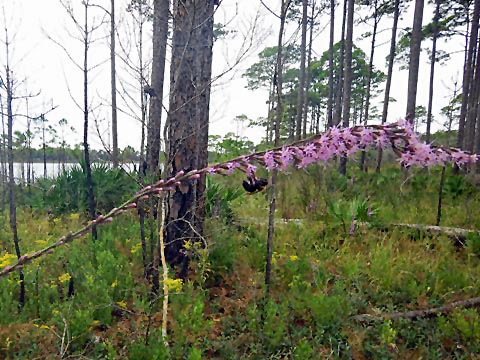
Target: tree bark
414,63
190,77
376,20
436,19
11,181
468,75
278,119
160,36
472,108
301,85
391,58
86,110
338,97
347,88
308,75
330,66
113,78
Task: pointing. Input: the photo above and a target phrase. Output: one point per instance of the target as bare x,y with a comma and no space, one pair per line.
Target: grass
323,274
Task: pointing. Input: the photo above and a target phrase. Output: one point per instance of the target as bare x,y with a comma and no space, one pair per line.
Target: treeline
70,155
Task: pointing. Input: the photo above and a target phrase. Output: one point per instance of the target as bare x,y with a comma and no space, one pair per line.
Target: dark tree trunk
436,18
190,76
113,79
308,75
44,147
472,108
160,36
278,119
391,58
414,63
338,98
11,181
86,151
301,85
376,19
347,87
3,160
468,75
330,65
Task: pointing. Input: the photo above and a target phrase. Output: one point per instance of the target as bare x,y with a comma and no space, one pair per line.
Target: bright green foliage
322,276
67,193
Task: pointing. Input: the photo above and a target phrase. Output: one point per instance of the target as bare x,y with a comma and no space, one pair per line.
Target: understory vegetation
336,255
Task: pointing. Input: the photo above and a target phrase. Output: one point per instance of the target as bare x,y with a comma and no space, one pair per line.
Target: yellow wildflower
6,259
64,277
114,284
135,248
293,257
174,285
74,216
122,304
41,242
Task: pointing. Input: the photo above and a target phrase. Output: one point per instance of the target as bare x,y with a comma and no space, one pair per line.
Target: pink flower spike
108,220
131,206
180,173
144,197
195,176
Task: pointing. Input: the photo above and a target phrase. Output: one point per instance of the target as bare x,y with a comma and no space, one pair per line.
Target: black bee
254,185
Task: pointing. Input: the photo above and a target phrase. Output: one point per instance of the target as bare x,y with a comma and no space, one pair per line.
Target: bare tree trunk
301,85
86,110
472,108
188,114
391,58
376,19
308,74
3,161
278,117
436,18
160,36
113,86
468,75
347,87
44,147
11,181
330,65
414,63
338,98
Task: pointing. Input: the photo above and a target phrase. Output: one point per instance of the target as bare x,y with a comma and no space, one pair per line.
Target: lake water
53,169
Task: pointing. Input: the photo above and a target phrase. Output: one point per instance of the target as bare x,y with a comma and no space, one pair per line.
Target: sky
41,34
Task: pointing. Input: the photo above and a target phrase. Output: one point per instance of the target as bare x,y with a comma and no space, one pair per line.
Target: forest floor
341,260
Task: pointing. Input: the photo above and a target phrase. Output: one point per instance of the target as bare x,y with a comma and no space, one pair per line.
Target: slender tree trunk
376,20
347,87
44,147
11,181
86,151
278,119
391,58
113,86
415,48
188,114
301,85
308,74
330,66
468,75
3,161
472,108
160,36
338,98
436,18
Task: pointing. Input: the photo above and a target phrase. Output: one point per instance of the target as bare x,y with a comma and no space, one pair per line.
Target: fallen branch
420,314
459,235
